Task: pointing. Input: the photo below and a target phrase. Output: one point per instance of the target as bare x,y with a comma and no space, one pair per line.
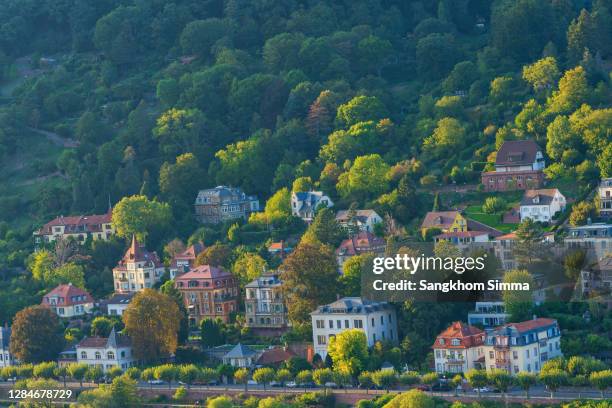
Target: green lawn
493,220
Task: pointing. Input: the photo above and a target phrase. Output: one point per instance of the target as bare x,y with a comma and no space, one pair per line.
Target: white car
155,382
252,382
482,389
291,384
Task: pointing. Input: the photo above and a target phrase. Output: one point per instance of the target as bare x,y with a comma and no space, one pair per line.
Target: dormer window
455,342
441,341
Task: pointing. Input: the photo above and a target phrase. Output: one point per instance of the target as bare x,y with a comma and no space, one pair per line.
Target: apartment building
604,193
79,228
208,292
266,313
376,319
488,314
222,203
523,346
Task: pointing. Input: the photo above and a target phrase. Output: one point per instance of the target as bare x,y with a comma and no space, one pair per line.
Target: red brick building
519,165
208,293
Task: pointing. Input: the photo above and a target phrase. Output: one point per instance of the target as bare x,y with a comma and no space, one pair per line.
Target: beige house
137,270
265,307
68,301
79,228
459,349
542,205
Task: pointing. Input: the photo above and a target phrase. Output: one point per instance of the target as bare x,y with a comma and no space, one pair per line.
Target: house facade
138,270
376,319
542,205
116,305
106,352
241,356
184,261
266,312
523,346
488,314
361,243
604,193
445,221
80,228
68,301
222,203
595,238
597,278
208,293
6,358
519,165
358,220
305,204
459,348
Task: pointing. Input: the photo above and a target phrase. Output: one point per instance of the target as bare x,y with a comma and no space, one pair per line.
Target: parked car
330,384
275,384
156,382
441,387
291,384
252,382
482,389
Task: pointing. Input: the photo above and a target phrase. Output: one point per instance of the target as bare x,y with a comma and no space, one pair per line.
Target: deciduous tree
36,335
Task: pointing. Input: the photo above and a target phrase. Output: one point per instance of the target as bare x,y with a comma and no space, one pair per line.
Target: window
437,353
382,319
346,324
491,354
374,337
339,324
110,355
320,324
455,342
516,369
515,354
358,324
528,368
321,340
527,353
441,341
98,355
331,324
84,354
373,324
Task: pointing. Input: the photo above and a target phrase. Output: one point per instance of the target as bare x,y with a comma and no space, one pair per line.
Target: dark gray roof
539,197
517,153
353,305
267,280
240,351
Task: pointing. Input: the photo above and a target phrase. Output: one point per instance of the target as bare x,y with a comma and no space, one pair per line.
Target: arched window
98,355
110,355
83,354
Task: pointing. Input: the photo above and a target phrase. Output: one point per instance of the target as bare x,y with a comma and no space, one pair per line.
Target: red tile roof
469,336
204,272
138,253
362,242
189,254
67,295
275,356
531,324
77,223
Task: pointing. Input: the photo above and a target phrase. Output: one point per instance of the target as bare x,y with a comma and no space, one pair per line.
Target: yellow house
446,221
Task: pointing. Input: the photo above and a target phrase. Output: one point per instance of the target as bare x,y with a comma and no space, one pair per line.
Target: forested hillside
383,104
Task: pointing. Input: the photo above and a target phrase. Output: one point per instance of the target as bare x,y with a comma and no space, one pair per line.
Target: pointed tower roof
112,339
133,253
